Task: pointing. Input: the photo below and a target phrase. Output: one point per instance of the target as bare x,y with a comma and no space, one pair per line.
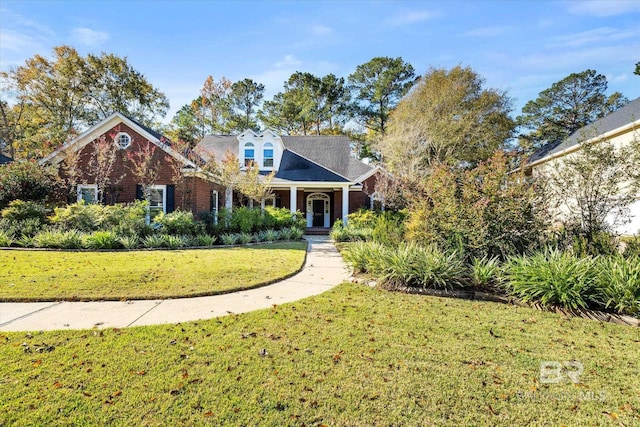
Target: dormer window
249,154
267,158
122,140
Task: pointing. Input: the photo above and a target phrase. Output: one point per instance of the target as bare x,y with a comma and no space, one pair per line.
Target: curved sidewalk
324,269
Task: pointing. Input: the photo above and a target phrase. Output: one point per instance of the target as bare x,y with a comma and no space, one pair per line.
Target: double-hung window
249,154
267,158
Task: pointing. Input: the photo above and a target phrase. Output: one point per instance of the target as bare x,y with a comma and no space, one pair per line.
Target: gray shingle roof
217,146
294,167
618,118
332,153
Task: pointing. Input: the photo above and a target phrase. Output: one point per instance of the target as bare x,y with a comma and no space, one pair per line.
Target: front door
318,213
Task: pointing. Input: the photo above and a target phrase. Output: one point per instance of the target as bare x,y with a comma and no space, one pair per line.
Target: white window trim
376,197
93,187
164,196
268,146
116,140
251,146
216,206
270,201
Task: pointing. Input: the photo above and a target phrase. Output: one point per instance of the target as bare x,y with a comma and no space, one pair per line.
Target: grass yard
52,275
353,356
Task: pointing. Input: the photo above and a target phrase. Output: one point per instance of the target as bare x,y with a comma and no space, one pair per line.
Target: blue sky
518,46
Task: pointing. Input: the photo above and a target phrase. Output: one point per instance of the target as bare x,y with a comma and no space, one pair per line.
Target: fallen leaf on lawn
57,384
37,363
208,414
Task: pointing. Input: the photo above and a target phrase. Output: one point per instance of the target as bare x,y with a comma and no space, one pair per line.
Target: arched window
267,158
249,154
377,201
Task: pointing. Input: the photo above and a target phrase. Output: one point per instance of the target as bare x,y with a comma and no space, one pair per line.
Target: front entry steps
317,231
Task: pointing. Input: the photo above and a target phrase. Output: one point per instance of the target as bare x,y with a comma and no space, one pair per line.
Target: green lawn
52,275
353,356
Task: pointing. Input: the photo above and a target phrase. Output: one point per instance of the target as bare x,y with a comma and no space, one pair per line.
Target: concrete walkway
323,270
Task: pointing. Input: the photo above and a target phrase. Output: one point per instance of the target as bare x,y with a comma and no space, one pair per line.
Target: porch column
345,204
228,197
294,199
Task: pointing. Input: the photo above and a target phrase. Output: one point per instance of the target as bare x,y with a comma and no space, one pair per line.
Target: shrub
229,238
179,223
26,180
19,210
245,220
363,218
102,240
632,247
389,228
485,273
554,278
78,216
340,234
620,283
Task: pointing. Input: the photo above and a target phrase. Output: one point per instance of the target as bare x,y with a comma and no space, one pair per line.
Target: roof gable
618,120
104,126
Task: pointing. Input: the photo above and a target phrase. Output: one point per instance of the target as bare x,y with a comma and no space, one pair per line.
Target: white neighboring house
620,128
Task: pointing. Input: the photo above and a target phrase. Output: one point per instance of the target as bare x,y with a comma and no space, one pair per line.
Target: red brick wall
190,193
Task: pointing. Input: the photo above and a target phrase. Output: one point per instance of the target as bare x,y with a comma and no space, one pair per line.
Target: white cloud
598,35
407,17
321,30
288,61
18,42
494,31
602,8
89,37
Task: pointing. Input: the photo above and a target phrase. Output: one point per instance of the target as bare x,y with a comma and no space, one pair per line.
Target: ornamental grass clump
485,273
229,239
244,238
206,240
102,240
56,239
130,242
555,278
620,283
269,235
419,266
153,241
361,254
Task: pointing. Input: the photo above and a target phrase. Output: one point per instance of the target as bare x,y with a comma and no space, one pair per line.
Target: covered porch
321,204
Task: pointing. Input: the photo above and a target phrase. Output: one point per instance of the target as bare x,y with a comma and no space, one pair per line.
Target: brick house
316,175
